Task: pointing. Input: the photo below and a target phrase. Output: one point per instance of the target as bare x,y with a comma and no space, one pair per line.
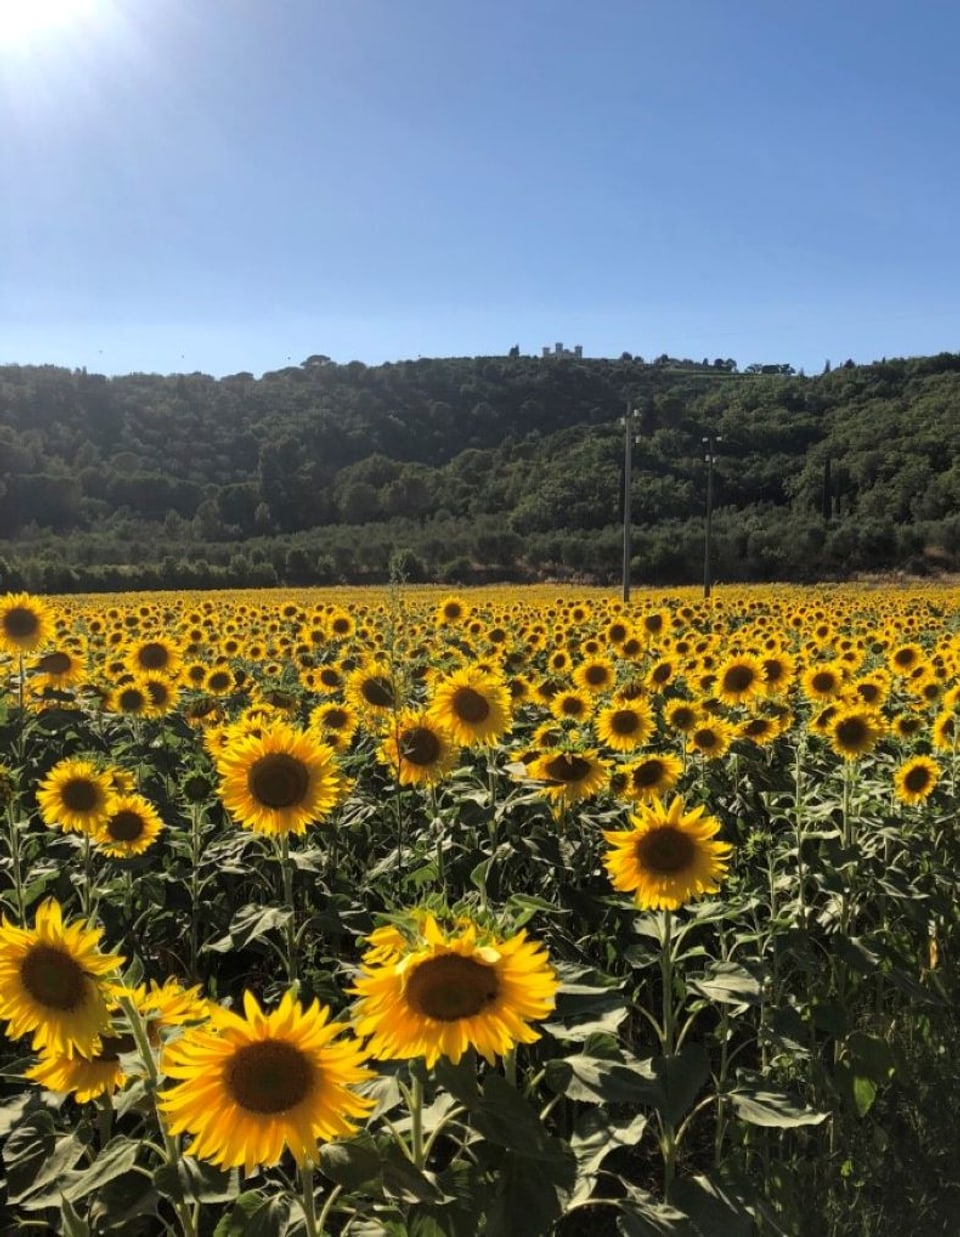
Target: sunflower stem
286,871
668,1136
13,828
309,1208
416,1118
194,887
128,1005
327,1208
104,1118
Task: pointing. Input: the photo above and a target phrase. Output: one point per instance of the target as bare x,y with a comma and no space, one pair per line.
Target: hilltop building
560,351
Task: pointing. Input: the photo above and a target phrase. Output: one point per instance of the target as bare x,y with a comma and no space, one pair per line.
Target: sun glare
23,21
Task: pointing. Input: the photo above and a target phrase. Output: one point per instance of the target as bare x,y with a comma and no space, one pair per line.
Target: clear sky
233,185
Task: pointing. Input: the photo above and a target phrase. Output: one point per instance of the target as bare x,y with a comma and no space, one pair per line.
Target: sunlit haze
237,184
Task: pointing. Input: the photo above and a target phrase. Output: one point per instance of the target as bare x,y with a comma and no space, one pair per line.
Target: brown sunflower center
153,656
904,657
917,779
756,727
647,774
775,669
21,623
131,700
53,978
278,780
596,676
625,722
269,1076
219,681
335,719
738,679
451,987
55,663
665,851
683,717
823,681
852,732
80,794
567,768
662,673
572,706
869,693
378,691
419,745
705,738
616,633
125,825
470,706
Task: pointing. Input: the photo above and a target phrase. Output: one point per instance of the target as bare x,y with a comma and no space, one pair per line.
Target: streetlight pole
629,418
709,455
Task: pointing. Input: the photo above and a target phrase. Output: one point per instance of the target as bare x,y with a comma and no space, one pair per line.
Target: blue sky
233,185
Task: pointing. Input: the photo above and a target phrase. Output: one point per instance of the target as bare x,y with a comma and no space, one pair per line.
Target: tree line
474,468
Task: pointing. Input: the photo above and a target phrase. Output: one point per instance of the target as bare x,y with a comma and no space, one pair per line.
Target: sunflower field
402,913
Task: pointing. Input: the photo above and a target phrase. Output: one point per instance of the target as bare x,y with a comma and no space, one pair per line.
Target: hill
486,467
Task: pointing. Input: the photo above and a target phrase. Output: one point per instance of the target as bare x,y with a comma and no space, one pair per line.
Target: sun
24,20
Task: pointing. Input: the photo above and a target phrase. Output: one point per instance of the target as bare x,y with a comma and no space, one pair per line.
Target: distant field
729,828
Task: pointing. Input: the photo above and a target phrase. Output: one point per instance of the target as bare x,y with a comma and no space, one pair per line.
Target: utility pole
709,456
629,421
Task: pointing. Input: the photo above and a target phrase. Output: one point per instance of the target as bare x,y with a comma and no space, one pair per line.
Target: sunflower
822,681
473,707
452,611
904,658
760,730
661,674
669,856
220,681
651,776
945,733
914,781
681,715
571,706
84,1078
62,668
779,670
51,985
740,678
162,694
570,776
437,993
371,690
419,751
335,723
75,796
854,731
257,1086
711,737
279,781
25,623
155,656
624,727
907,725
131,828
596,675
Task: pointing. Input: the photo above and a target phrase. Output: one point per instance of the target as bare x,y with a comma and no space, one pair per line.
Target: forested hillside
474,468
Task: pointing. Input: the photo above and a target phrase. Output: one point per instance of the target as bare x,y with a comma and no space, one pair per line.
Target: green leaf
640,1215
29,1145
527,1202
351,1163
116,1158
460,1079
46,1186
864,1093
772,1108
711,1208
681,1078
253,1215
196,1181
74,1225
729,983
249,924
870,1056
402,1180
13,1109
596,1134
504,1117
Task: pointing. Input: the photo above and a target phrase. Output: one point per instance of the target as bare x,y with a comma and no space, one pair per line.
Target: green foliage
479,459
